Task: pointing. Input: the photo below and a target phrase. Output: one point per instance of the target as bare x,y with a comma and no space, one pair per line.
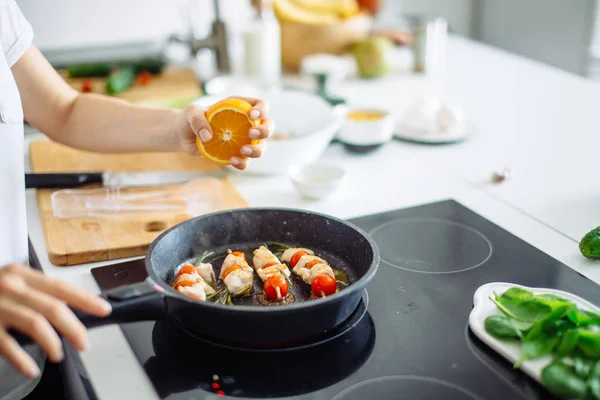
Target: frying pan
249,325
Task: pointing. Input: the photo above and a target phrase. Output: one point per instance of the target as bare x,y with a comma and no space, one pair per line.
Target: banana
288,11
342,8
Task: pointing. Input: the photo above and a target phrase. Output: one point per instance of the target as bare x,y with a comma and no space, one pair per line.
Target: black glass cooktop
409,338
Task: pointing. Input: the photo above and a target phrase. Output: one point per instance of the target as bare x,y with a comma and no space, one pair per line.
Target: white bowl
316,180
310,122
367,133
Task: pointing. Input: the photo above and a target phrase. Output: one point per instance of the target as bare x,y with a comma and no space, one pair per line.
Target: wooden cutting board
172,83
83,240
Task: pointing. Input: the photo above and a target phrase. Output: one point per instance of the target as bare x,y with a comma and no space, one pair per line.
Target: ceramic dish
483,307
366,128
317,180
432,121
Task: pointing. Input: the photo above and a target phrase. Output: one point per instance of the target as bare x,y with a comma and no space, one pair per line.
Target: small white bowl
368,133
316,180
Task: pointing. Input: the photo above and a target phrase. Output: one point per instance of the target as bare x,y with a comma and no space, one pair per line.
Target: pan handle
143,301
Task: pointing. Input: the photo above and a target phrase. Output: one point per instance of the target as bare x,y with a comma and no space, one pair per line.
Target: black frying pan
247,323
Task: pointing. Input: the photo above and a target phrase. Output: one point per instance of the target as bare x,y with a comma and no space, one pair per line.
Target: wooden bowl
300,40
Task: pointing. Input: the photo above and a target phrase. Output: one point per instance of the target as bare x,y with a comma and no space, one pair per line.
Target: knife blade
115,179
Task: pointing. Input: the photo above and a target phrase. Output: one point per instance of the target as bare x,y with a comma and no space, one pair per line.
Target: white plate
483,307
433,137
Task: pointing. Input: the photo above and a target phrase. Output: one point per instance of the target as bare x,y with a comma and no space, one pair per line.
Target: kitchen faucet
216,41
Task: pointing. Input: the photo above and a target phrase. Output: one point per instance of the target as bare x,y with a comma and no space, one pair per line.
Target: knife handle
63,180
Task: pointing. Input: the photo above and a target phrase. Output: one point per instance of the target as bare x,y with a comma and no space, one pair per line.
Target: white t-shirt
16,35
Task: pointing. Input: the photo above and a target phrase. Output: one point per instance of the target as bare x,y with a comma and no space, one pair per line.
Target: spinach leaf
526,310
583,366
551,324
589,343
516,293
595,372
594,388
537,347
501,327
584,318
562,380
547,296
568,343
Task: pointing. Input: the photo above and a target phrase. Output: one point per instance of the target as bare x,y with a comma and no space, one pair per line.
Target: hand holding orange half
227,133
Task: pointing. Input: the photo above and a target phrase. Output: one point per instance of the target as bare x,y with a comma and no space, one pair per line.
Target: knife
114,179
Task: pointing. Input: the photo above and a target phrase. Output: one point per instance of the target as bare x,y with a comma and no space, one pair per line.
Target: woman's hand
192,123
33,303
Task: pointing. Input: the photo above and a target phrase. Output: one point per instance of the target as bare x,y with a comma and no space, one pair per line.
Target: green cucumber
89,70
154,66
121,80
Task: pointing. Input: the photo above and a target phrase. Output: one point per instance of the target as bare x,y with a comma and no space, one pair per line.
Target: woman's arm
105,124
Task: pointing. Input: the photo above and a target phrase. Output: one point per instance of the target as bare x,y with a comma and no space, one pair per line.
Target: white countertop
534,119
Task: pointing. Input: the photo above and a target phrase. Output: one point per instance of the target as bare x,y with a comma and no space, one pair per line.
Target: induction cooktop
408,339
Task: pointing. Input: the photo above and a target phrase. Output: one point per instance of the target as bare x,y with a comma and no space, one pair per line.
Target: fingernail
254,114
85,344
205,135
106,307
33,370
254,133
246,151
235,162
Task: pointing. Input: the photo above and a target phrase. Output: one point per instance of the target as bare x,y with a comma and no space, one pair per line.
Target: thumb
196,118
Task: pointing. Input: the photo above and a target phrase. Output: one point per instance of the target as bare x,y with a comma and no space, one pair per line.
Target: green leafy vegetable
589,343
568,343
525,311
516,293
583,367
594,388
501,328
562,380
548,325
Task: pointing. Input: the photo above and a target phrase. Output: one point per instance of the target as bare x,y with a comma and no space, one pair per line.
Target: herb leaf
516,293
501,327
568,343
589,343
526,311
583,367
562,380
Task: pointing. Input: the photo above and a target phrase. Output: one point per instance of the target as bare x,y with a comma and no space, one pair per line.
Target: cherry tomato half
230,270
296,257
323,285
187,269
86,86
273,284
239,254
267,265
143,78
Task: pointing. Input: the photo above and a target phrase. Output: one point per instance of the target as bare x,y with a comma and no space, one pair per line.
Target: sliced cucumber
121,80
89,70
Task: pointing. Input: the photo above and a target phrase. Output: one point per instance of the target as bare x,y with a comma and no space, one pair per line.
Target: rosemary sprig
203,257
210,296
285,276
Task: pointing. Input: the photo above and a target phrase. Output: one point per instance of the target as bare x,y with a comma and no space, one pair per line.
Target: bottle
262,46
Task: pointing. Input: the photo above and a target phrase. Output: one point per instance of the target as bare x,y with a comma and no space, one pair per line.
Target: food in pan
234,283
272,272
313,270
237,275
190,282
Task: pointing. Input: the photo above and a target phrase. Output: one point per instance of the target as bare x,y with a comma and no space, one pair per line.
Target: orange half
230,124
